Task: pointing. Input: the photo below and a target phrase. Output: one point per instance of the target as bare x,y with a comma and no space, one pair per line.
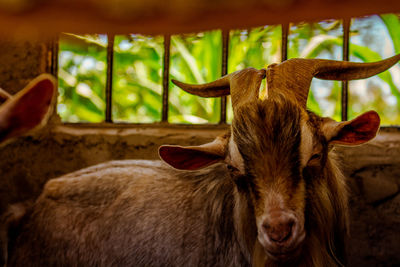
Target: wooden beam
48,17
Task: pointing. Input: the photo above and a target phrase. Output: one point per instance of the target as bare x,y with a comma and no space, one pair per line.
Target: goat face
276,148
266,148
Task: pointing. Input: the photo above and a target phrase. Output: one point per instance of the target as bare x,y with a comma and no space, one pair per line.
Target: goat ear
195,157
28,108
354,132
4,96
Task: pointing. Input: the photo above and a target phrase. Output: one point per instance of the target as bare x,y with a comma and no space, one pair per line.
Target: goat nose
279,230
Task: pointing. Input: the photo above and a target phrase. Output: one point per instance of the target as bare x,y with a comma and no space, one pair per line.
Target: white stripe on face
306,144
234,157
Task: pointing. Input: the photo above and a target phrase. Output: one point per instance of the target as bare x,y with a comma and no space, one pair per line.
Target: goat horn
294,75
4,95
242,85
216,88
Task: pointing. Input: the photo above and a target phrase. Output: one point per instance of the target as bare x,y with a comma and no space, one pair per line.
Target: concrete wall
373,170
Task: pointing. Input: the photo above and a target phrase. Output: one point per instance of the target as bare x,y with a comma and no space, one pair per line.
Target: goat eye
232,169
315,156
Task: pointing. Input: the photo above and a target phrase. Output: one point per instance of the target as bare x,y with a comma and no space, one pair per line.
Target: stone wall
373,170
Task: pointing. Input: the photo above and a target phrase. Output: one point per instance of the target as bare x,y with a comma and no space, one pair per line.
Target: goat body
135,213
143,213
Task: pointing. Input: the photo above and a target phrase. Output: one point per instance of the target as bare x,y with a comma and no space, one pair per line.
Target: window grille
226,36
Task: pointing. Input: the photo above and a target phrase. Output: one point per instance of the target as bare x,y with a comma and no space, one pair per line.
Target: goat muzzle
281,235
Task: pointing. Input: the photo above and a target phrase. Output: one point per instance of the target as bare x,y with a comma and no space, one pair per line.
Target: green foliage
319,40
255,48
137,78
376,38
82,61
196,58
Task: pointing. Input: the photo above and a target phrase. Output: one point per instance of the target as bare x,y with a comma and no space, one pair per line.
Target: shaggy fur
271,152
143,213
106,216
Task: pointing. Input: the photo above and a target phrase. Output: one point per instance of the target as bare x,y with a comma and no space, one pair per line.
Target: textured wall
27,163
30,161
20,61
374,181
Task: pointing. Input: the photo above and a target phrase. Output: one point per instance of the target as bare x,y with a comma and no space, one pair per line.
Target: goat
28,110
267,193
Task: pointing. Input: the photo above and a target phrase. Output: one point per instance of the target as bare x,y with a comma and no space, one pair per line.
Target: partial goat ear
355,132
195,157
28,108
4,96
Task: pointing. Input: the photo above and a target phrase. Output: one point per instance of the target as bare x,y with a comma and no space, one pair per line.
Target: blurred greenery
375,38
82,78
255,48
319,40
137,78
196,58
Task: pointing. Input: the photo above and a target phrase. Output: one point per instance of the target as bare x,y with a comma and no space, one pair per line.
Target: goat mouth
282,256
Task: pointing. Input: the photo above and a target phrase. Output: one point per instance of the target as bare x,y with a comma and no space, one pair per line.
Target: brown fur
272,154
143,213
117,219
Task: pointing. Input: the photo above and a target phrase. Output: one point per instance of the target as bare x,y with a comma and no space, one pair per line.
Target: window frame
53,69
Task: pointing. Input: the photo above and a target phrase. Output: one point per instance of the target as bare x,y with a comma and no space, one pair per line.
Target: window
319,40
82,77
371,39
137,79
126,78
194,58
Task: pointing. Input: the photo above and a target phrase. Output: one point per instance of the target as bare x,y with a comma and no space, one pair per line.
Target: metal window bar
345,84
52,57
224,71
165,83
346,42
109,79
284,48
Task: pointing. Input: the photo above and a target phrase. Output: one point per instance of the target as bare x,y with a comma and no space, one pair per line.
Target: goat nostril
280,237
279,232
